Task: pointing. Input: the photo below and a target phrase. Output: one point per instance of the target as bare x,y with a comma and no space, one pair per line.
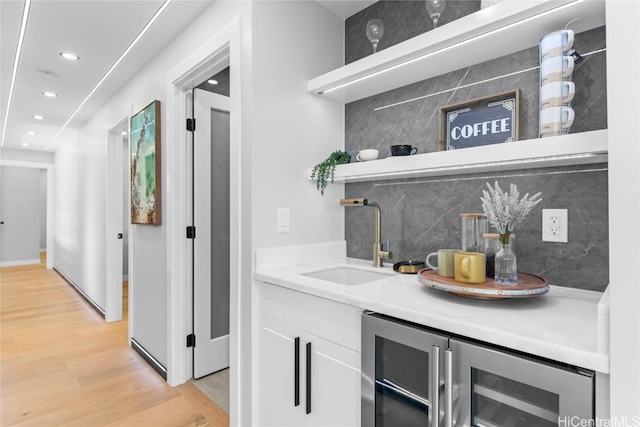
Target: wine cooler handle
448,388
296,372
308,378
435,387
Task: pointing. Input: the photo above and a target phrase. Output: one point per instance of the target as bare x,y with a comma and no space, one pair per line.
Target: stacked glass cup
556,86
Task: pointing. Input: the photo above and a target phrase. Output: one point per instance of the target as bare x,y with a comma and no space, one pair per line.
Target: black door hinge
191,340
191,232
191,125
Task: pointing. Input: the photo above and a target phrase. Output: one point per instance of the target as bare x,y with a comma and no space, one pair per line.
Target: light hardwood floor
61,364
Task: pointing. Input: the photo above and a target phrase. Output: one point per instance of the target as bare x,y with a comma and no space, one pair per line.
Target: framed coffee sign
481,121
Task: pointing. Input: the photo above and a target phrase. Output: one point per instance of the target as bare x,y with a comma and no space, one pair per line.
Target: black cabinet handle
308,378
296,371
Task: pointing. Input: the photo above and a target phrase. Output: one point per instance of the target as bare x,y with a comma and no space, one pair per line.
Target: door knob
119,236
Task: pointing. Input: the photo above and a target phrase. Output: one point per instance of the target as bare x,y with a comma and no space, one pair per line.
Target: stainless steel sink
347,275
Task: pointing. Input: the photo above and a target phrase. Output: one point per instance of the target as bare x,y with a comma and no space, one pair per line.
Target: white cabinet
277,375
335,387
309,361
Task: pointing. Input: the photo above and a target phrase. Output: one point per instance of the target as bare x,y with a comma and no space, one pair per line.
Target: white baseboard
43,250
20,262
125,278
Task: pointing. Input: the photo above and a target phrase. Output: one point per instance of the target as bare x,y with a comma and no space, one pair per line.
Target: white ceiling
98,31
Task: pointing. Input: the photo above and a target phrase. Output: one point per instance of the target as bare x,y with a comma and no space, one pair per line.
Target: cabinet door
278,373
335,384
497,388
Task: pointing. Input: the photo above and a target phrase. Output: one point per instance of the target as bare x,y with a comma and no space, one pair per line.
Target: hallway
62,365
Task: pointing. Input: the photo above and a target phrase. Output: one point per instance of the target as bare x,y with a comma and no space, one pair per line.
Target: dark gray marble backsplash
418,122
421,215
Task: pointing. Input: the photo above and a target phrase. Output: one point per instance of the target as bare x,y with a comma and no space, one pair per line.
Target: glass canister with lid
474,226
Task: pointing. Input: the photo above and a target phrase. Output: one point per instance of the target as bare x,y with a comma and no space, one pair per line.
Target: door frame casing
221,50
114,225
50,199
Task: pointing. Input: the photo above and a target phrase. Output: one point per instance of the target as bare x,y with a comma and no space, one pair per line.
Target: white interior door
211,245
115,227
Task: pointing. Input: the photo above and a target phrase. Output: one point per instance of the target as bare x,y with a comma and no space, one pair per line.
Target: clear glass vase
506,266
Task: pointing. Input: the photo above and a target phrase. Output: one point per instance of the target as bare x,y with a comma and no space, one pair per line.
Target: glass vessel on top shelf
375,30
435,9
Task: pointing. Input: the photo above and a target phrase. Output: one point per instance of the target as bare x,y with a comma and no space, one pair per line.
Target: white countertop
561,325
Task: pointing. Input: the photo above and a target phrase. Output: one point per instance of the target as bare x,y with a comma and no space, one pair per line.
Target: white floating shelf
505,28
566,150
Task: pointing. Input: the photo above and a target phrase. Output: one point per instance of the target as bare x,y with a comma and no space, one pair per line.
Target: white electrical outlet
555,225
283,220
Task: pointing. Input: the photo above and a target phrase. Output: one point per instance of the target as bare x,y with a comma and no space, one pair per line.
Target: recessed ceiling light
135,41
124,133
25,144
212,82
38,117
50,94
69,56
30,133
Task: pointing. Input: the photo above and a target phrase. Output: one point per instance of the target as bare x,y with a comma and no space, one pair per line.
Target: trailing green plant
324,171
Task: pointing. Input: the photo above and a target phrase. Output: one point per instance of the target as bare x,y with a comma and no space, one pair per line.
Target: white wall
292,41
623,110
79,213
20,212
293,129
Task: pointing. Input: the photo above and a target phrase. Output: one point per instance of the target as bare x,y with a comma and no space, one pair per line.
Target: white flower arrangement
505,211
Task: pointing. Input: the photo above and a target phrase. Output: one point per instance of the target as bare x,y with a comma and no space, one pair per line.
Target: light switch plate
555,225
283,220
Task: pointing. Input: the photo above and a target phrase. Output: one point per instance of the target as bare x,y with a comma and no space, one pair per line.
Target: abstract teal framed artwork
145,165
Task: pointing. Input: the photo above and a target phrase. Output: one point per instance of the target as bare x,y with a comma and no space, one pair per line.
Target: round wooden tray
528,285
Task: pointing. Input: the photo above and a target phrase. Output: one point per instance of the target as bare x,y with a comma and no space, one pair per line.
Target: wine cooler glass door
401,374
508,390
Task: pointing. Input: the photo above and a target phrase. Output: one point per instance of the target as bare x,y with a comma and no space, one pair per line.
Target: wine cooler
414,376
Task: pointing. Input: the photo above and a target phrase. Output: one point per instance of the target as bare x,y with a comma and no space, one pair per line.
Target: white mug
368,154
556,120
556,69
556,44
555,94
